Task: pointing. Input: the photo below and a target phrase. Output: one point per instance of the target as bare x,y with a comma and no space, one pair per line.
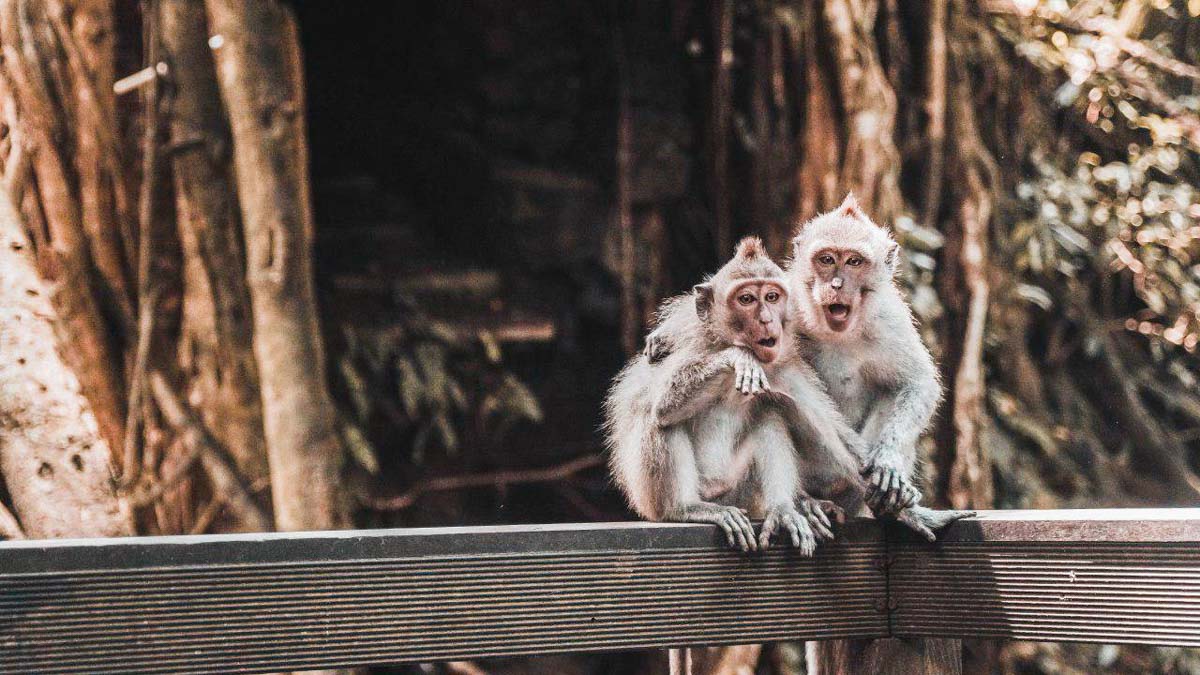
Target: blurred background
384,280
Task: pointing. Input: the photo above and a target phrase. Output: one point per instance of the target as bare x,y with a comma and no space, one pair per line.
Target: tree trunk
217,333
57,467
67,262
259,71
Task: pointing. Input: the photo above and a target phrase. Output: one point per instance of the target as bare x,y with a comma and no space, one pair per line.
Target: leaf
356,387
410,387
361,450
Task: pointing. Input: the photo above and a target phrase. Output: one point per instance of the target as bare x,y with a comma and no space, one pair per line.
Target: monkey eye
746,299
854,261
825,259
773,296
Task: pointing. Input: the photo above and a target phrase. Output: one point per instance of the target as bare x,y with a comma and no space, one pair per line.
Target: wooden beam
290,601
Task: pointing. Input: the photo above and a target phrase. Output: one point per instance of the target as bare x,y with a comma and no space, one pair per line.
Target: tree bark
67,261
218,350
259,73
57,467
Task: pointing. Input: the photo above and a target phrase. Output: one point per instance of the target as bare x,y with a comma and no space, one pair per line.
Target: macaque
698,436
864,345
857,333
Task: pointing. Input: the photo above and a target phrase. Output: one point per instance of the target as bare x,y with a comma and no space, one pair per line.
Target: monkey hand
928,522
739,531
749,377
657,347
786,519
821,514
889,490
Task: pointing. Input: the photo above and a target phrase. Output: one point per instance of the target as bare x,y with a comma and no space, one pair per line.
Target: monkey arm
900,418
894,426
694,387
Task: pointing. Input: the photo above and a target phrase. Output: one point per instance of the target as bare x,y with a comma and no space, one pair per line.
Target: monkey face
840,283
757,316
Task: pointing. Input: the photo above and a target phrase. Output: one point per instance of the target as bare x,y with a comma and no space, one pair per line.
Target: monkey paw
821,514
928,522
739,531
786,519
888,490
749,377
657,348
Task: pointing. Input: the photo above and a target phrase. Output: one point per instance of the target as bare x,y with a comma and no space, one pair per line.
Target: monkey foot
821,514
927,522
739,531
786,519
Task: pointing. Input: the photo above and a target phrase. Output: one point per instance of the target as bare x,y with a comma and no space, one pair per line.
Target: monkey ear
850,207
891,259
704,299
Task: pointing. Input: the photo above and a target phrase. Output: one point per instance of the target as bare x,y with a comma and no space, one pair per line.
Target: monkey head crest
746,302
841,258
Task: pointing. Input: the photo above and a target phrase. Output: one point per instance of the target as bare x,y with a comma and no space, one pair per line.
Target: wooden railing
271,602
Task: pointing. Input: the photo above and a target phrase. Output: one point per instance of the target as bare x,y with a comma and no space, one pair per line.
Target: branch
496,478
226,481
1173,398
630,317
147,289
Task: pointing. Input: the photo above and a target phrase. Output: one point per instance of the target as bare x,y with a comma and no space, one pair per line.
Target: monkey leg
928,522
785,518
739,531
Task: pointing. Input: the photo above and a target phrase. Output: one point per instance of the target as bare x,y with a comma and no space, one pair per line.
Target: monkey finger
822,532
730,533
794,532
764,535
925,532
822,517
748,530
737,539
746,534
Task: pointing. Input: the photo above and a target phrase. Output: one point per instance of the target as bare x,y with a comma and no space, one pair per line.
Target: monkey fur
697,436
858,334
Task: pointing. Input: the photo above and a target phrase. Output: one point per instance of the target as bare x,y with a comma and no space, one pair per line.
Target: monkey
857,334
698,436
863,341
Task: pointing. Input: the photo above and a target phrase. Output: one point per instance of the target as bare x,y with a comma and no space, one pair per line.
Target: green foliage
1130,207
439,387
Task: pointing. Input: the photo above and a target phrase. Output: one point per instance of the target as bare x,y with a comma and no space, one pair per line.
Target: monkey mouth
837,315
766,349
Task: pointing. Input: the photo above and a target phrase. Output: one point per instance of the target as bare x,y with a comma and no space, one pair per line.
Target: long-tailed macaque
857,332
699,435
864,344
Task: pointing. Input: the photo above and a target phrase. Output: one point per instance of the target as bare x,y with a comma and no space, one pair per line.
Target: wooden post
889,656
256,48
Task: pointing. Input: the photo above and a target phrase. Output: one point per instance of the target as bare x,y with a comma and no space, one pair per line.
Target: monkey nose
837,282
